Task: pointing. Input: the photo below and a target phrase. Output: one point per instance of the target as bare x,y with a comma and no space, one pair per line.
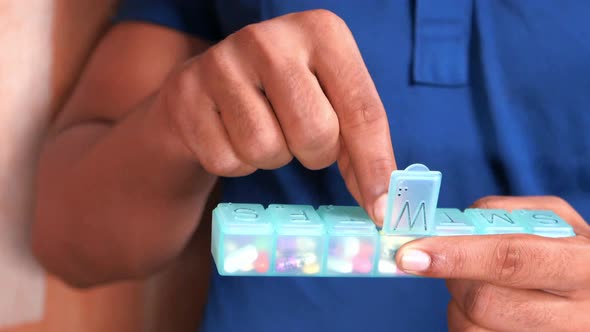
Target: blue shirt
494,94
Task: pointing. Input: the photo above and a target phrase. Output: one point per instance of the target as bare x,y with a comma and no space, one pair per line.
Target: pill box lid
295,219
246,219
347,220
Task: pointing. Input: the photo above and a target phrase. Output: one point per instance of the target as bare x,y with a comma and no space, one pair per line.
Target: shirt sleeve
195,17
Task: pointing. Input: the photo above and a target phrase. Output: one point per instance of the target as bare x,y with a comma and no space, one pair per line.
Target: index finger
364,128
515,260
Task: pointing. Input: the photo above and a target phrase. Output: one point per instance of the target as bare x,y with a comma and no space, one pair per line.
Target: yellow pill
311,268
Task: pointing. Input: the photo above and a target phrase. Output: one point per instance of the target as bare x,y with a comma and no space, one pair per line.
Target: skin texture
131,161
45,45
513,282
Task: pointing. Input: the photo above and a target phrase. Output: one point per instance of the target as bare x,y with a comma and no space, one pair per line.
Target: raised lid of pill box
247,219
347,220
296,219
412,200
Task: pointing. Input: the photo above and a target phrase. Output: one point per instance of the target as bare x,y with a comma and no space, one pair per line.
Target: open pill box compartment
342,241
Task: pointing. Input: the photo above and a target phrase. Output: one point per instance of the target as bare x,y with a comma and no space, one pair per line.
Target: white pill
340,265
386,266
230,246
352,246
309,258
247,268
241,258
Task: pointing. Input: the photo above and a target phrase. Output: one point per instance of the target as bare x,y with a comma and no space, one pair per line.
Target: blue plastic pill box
342,241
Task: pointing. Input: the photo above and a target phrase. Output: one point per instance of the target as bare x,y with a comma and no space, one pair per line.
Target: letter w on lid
413,196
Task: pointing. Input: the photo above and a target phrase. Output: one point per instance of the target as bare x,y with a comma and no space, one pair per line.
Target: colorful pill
362,264
262,263
311,268
367,249
292,263
243,257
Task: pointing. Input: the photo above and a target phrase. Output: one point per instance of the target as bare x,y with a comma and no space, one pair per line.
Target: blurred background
44,44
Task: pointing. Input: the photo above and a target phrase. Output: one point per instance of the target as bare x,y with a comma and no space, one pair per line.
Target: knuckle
316,146
561,207
316,138
457,263
324,20
508,263
181,88
252,33
263,151
258,38
363,114
477,302
216,61
488,202
292,74
221,166
558,201
175,98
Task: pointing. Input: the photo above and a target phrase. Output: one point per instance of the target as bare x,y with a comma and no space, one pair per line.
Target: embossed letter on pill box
544,223
413,196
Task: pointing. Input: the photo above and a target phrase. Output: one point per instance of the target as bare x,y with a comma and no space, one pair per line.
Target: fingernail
414,260
379,209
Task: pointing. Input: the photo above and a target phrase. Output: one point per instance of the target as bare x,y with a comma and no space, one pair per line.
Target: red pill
367,249
262,263
361,264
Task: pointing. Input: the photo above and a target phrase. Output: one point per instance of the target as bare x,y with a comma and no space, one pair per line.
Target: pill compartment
388,247
242,239
543,223
495,221
452,222
300,240
353,240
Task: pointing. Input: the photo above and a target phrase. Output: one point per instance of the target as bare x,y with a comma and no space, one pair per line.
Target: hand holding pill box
342,241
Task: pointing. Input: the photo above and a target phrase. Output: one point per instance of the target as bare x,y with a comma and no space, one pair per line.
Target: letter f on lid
413,196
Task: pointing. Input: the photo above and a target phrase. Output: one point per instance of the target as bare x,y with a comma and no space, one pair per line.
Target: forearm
117,200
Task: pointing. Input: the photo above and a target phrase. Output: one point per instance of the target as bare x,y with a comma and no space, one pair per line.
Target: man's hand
511,282
294,86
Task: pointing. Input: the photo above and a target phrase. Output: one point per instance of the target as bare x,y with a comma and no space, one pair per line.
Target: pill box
342,241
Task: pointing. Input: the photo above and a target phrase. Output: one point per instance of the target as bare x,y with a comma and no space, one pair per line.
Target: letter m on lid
413,196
